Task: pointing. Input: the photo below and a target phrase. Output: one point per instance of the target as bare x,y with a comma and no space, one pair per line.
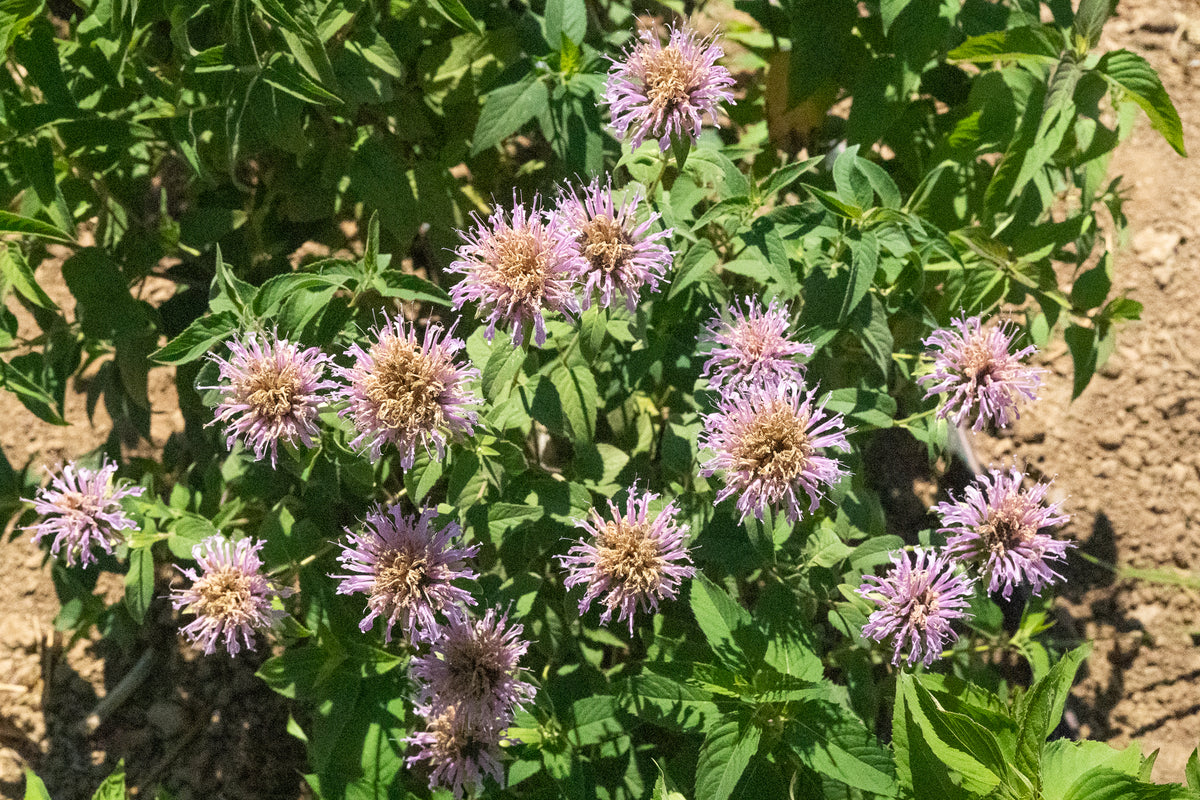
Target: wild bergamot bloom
974,365
473,667
273,392
768,440
621,254
998,526
918,599
754,346
514,268
81,509
406,568
632,559
408,390
660,92
459,754
230,596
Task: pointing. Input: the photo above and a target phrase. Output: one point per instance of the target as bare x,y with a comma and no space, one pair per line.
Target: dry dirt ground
1126,454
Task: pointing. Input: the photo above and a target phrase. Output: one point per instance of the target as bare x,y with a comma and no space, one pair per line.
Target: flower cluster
407,571
631,560
996,530
753,347
664,91
469,688
230,596
975,367
81,510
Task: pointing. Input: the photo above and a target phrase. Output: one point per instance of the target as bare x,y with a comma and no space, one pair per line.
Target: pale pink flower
973,365
408,390
230,596
753,346
460,754
631,560
81,509
660,92
516,268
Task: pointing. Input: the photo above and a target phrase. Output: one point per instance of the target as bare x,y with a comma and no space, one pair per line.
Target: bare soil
1126,455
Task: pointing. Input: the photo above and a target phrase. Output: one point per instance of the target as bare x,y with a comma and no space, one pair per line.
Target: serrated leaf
139,583
578,395
1091,289
829,740
1024,44
727,626
27,226
1135,75
197,339
1081,342
1041,708
565,18
506,109
835,204
724,756
864,263
457,13
18,274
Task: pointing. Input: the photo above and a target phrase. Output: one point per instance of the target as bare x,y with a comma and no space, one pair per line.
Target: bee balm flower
621,254
998,526
459,754
660,92
515,268
768,442
753,346
406,570
632,560
473,668
273,393
82,510
408,391
917,599
230,596
975,367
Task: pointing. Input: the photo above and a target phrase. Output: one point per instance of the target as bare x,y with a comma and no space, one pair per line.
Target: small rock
1110,438
1154,246
166,717
1163,274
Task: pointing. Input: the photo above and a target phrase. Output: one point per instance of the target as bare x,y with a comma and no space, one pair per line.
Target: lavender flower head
998,526
473,668
917,599
406,570
408,391
82,510
768,439
975,367
460,755
661,92
230,596
753,346
515,268
621,255
273,391
632,560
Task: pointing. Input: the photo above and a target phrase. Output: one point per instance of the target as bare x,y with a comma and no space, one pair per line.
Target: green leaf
1192,771
1090,289
565,18
864,262
1135,75
697,262
959,742
1041,709
1025,45
457,13
916,763
197,339
727,627
16,271
1082,343
35,788
662,791
1108,784
27,226
139,583
1064,762
783,177
834,203
506,109
578,395
1090,19
113,787
23,377
502,366
724,756
834,743
283,74
594,719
